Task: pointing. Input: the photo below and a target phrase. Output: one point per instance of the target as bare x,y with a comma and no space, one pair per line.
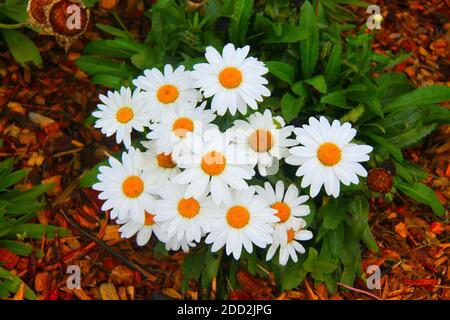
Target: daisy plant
251,148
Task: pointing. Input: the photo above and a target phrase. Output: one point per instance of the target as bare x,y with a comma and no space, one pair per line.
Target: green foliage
17,207
13,16
314,68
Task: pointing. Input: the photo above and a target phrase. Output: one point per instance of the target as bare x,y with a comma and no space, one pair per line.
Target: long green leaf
309,47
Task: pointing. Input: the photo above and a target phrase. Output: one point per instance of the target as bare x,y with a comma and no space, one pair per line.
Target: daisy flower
241,221
213,168
125,188
290,247
174,244
289,206
175,126
165,91
262,139
233,80
120,113
144,231
183,217
327,157
159,167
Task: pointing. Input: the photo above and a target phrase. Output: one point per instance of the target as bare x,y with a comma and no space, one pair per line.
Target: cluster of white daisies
191,182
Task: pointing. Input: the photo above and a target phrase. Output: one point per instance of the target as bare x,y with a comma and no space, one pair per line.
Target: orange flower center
213,163
188,208
284,212
329,154
149,219
238,217
167,93
133,186
181,126
261,140
124,114
165,161
290,235
230,77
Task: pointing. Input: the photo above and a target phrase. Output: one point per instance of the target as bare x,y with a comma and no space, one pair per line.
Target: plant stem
13,26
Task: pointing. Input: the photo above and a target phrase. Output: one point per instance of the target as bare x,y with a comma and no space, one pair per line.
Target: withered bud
68,19
379,180
36,15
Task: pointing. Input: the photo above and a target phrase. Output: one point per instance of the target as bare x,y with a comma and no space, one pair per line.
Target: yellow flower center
290,235
165,161
284,212
181,126
329,154
261,140
213,163
238,217
133,186
149,219
230,77
124,114
188,208
167,93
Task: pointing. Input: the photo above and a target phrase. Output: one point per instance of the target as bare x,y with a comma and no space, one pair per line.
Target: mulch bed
41,124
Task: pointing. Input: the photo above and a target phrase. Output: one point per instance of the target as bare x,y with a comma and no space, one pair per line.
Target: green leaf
422,194
318,83
411,136
281,70
354,114
89,178
288,34
22,48
420,97
13,282
94,65
333,67
37,231
289,276
113,31
212,263
12,179
114,82
290,107
310,263
19,248
309,47
369,240
335,240
411,172
240,21
193,266
333,213
359,208
395,151
336,98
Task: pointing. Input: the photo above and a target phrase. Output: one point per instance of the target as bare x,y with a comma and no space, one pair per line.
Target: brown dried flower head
379,180
68,19
37,17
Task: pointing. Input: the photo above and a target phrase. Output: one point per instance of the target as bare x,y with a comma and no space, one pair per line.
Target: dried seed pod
68,19
37,17
379,180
